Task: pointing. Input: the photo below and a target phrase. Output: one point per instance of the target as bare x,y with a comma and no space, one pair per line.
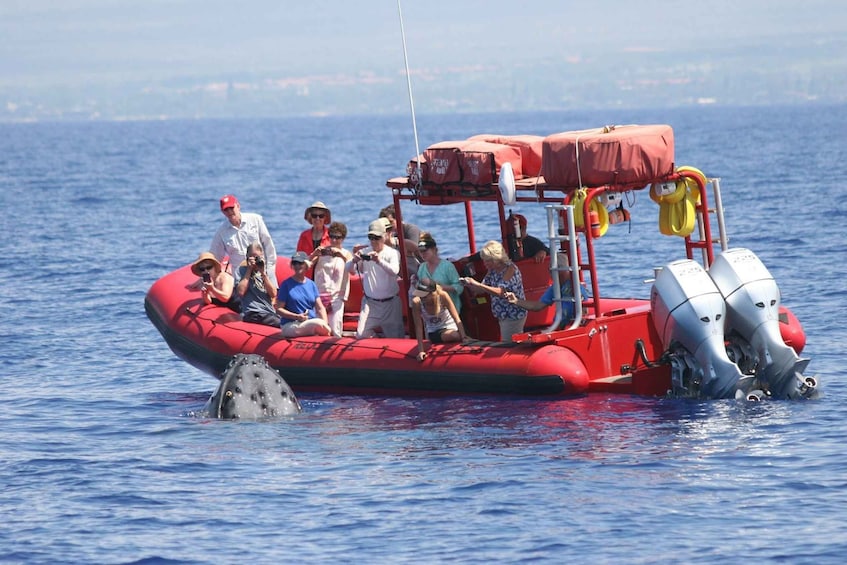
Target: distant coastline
627,80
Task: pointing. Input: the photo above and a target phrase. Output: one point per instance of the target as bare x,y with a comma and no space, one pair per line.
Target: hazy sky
90,41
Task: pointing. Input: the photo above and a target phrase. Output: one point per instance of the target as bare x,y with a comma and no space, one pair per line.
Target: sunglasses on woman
205,268
315,216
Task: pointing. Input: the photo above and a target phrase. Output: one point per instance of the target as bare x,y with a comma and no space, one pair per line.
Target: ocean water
105,461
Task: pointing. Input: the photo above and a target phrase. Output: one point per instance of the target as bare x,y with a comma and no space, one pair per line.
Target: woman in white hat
215,284
319,216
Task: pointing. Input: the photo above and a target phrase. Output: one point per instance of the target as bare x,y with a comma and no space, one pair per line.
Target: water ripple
105,458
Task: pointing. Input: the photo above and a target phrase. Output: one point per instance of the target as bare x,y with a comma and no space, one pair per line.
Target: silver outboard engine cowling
689,311
752,306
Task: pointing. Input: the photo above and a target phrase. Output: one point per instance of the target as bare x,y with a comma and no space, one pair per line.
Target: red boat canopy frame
644,163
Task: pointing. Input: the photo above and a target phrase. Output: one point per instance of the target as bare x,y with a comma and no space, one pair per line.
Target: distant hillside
801,71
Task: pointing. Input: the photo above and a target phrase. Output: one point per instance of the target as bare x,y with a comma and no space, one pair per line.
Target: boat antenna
418,175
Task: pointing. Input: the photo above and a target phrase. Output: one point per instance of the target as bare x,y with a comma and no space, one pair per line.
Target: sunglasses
336,236
295,263
204,268
374,237
315,216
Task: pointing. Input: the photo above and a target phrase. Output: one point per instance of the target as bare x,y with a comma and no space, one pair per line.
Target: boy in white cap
379,268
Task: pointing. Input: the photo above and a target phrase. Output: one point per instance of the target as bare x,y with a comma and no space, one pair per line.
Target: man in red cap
238,231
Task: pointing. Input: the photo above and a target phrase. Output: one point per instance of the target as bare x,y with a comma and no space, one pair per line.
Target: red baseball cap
521,220
228,201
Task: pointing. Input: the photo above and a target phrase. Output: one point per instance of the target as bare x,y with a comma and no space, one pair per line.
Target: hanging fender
598,216
678,209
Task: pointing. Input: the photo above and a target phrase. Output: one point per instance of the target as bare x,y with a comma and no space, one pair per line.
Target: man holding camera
381,312
256,289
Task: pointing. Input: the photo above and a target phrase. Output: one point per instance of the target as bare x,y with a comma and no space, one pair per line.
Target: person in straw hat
319,216
215,284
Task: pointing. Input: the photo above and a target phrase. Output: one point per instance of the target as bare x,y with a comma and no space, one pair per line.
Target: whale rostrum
250,389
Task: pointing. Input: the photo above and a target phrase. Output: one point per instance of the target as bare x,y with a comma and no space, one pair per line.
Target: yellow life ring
594,206
691,185
694,170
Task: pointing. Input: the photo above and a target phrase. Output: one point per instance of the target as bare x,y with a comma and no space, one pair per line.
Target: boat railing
563,214
718,210
705,241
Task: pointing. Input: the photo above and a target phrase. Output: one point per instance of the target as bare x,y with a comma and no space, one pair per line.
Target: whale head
250,389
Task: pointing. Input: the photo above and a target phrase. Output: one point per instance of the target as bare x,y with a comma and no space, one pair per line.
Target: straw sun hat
318,206
205,256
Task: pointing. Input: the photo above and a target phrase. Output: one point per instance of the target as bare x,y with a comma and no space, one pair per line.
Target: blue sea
105,459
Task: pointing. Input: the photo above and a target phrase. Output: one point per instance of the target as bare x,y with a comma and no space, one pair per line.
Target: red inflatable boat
712,328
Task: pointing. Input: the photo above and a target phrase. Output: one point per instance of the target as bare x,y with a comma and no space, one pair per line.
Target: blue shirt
256,301
567,305
444,274
298,297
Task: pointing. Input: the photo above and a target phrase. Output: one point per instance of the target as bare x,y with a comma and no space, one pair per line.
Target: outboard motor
752,301
688,313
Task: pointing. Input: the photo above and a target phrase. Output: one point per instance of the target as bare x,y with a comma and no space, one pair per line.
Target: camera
326,251
207,277
366,257
260,263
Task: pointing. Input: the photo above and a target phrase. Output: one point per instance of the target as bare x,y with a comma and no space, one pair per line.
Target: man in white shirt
238,231
381,313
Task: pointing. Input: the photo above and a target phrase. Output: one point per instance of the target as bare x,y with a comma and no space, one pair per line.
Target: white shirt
380,279
233,241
